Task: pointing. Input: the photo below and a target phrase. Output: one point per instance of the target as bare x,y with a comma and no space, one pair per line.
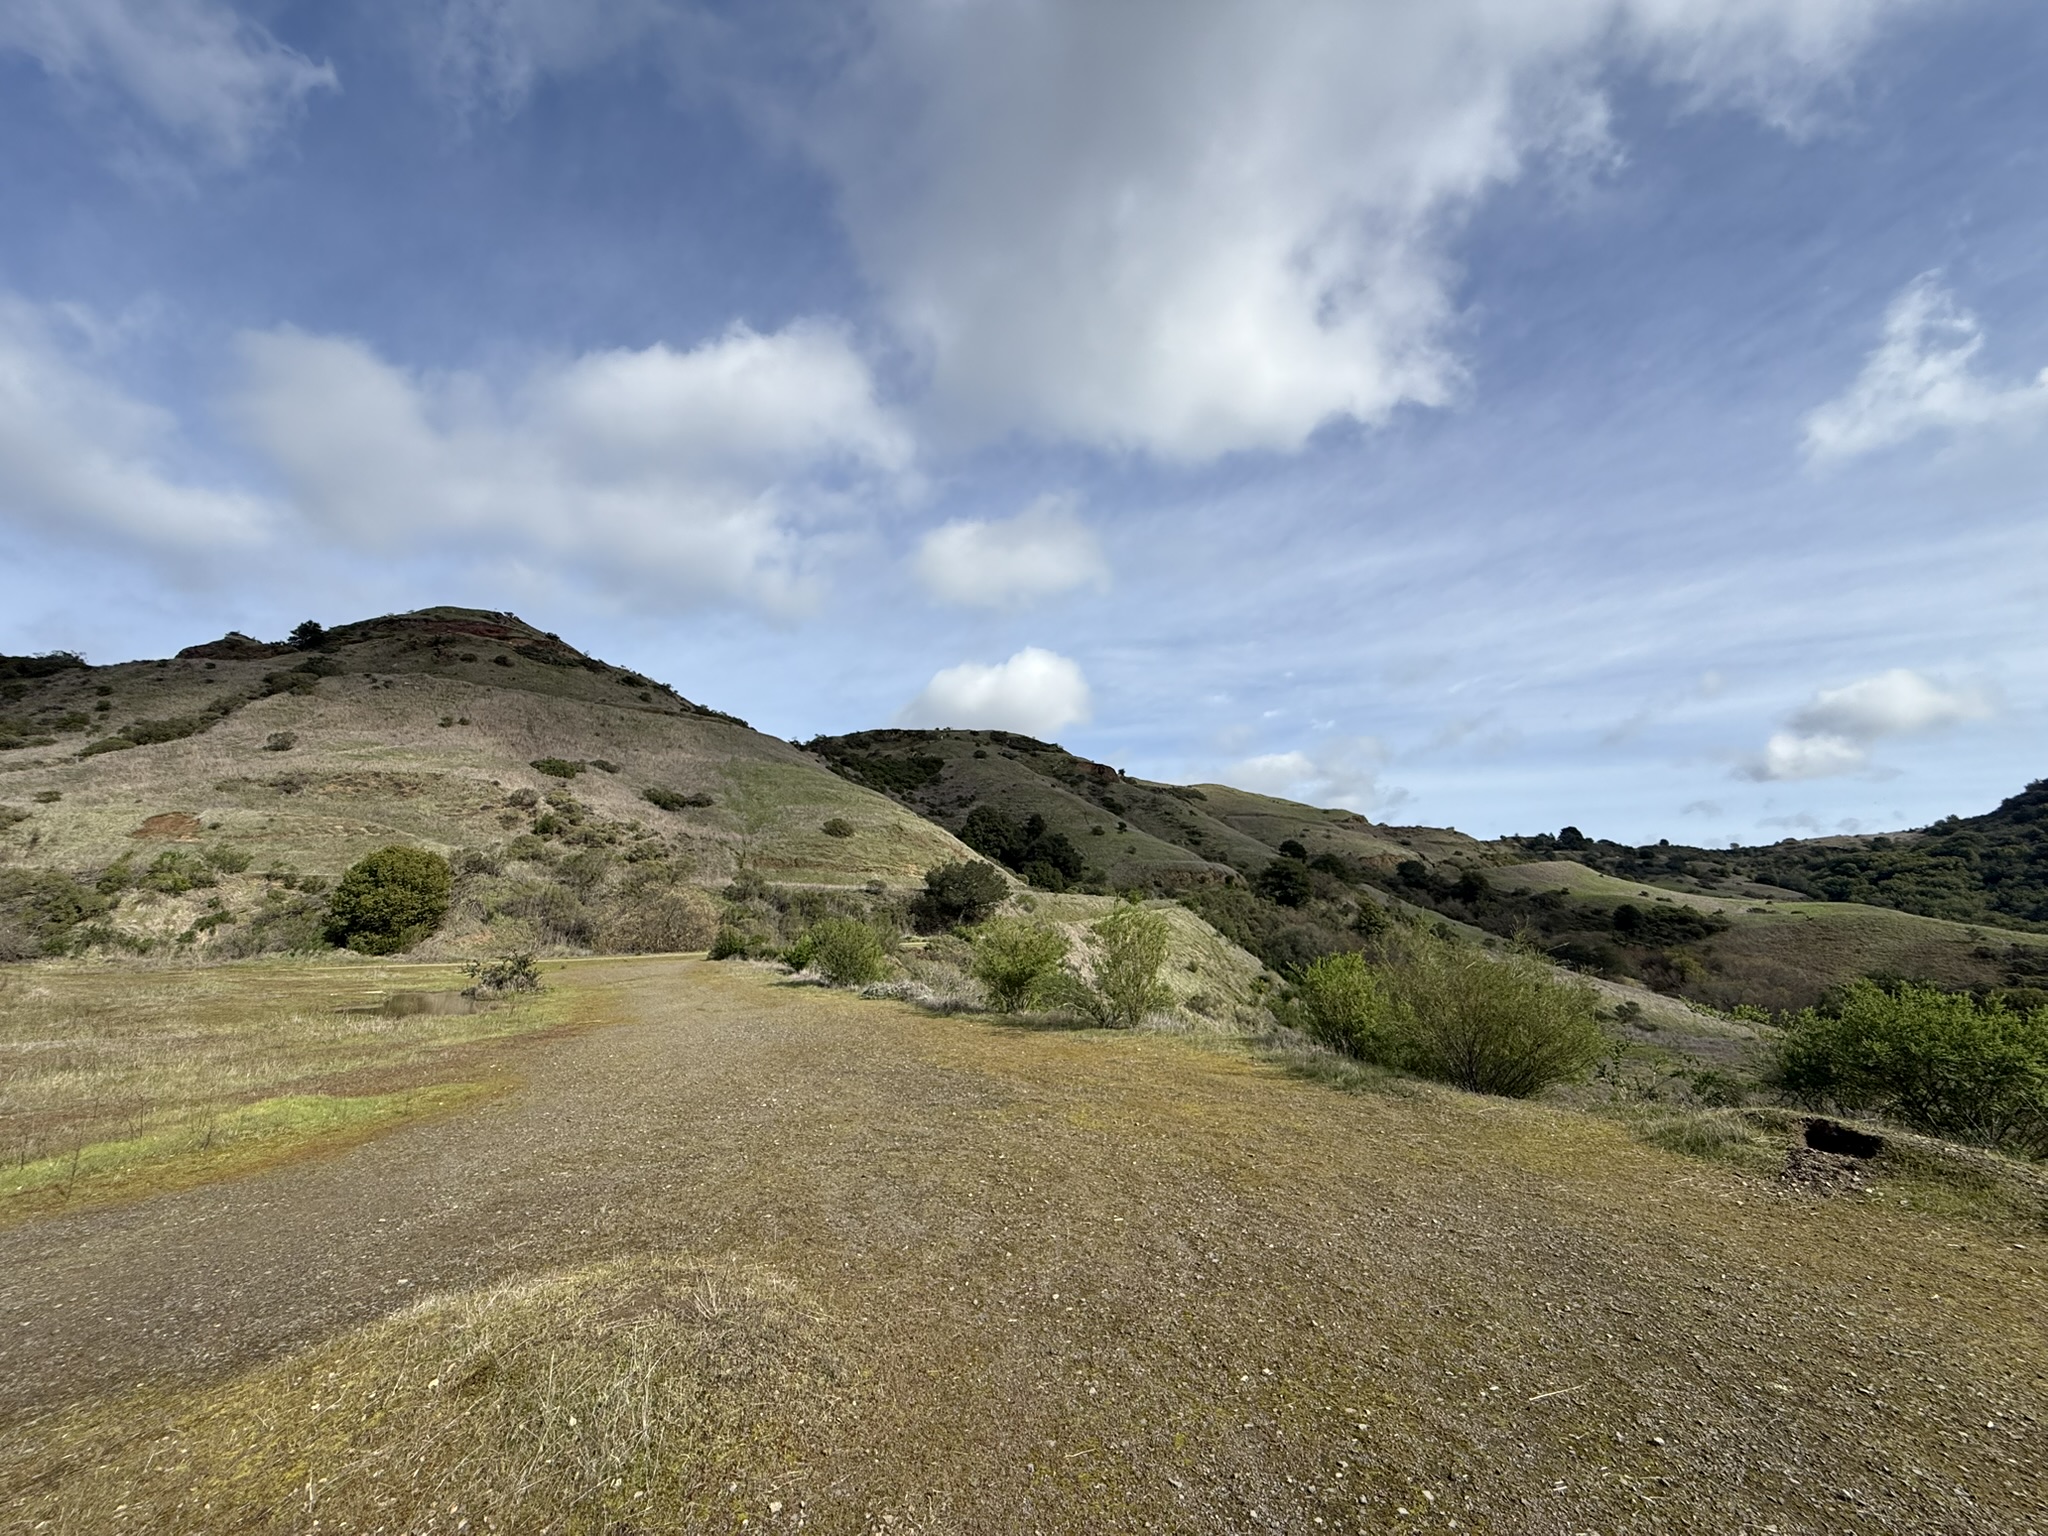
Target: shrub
838,826
604,765
847,952
1127,951
1284,882
1944,1063
308,635
557,767
1341,1002
523,799
673,799
514,972
174,872
280,741
680,919
389,900
1507,1024
228,860
734,941
1015,960
962,892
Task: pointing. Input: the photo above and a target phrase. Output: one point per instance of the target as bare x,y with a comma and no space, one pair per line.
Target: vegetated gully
1138,1274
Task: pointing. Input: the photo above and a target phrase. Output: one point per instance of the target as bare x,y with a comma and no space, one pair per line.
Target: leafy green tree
1284,882
1940,1062
963,892
1016,960
389,900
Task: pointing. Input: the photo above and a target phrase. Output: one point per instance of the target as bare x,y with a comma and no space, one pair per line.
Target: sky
1487,413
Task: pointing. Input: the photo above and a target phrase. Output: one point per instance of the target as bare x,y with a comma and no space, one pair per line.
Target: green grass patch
225,1145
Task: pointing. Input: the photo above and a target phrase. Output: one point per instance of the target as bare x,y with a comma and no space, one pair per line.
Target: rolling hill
189,798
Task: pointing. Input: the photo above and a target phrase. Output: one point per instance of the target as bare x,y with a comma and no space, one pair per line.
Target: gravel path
1112,1283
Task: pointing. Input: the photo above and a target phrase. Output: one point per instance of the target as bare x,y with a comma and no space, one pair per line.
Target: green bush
389,900
837,826
1127,951
557,767
847,952
962,892
1340,1001
1506,1024
228,860
1944,1063
673,799
1015,960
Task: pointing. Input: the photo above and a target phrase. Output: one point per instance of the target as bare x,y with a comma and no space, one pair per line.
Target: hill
203,801
1290,881
1991,868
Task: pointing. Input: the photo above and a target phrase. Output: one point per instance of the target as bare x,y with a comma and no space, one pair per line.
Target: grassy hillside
1991,868
1129,832
239,778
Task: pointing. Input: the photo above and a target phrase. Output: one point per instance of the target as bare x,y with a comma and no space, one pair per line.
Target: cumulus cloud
1036,692
1343,772
79,457
210,79
1043,551
1922,377
1175,226
669,475
1834,733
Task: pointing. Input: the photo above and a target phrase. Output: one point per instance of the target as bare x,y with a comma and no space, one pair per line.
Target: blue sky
1621,412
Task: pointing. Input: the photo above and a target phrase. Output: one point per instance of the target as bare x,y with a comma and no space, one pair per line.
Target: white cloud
202,74
1833,733
1043,551
1183,228
669,475
1343,772
1036,692
81,458
1921,378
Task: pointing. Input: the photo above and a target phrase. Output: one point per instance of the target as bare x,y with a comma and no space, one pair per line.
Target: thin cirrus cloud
1837,729
1037,692
1043,551
190,71
1922,377
667,476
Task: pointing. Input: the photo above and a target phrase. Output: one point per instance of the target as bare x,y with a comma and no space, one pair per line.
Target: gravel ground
1096,1283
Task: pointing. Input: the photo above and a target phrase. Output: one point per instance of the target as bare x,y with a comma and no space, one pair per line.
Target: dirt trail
1106,1283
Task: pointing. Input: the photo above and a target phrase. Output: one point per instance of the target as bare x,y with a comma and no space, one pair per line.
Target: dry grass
117,1080
632,1396
1000,1280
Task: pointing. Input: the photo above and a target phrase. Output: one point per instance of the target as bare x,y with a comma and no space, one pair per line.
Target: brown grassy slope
372,763
831,1265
